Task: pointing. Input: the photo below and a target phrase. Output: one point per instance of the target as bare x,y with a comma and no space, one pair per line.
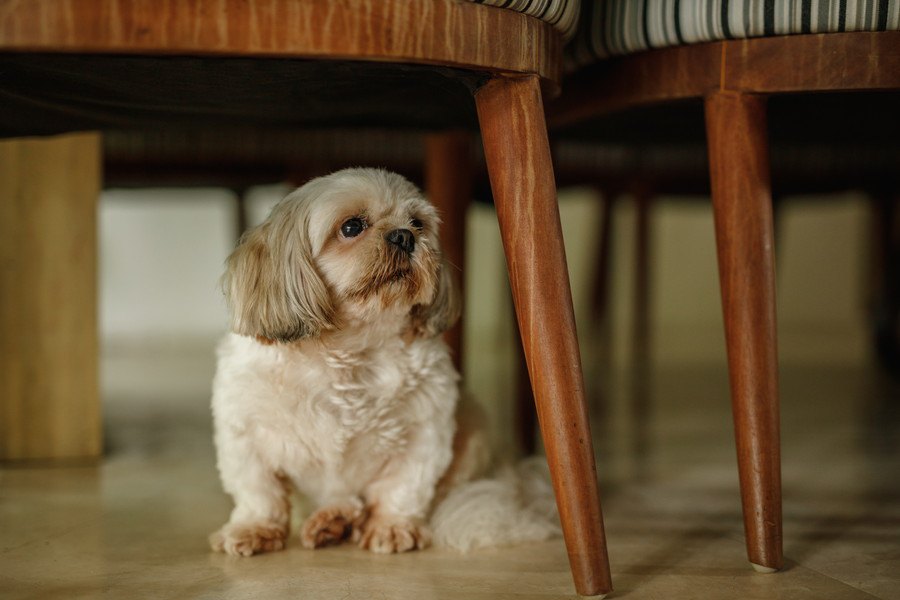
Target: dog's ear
273,289
443,312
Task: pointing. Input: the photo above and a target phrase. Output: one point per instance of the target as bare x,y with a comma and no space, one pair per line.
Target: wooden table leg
448,185
49,391
742,204
511,114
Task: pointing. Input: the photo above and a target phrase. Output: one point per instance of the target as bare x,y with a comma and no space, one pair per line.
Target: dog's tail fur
477,506
515,505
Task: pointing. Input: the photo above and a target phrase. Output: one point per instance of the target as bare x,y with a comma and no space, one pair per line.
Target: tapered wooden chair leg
742,204
448,185
511,115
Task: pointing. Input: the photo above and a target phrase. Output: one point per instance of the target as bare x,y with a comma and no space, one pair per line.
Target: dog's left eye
416,223
352,227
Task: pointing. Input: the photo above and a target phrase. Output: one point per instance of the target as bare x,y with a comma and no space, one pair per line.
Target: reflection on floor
136,526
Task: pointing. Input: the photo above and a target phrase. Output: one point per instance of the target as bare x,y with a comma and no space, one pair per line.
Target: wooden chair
276,64
734,78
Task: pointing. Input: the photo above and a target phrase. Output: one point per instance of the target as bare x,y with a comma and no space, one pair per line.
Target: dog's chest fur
325,417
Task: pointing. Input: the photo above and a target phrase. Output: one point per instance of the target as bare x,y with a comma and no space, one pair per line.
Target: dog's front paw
247,539
387,534
332,525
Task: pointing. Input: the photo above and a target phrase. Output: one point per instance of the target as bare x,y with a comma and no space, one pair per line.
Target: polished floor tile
135,526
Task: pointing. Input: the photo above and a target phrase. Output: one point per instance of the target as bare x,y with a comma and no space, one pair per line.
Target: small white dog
336,383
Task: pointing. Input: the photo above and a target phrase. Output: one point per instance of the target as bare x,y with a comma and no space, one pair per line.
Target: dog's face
351,246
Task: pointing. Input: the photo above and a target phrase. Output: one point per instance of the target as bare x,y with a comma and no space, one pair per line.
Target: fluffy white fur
336,384
516,505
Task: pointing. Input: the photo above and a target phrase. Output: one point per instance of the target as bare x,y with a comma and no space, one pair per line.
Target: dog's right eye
352,227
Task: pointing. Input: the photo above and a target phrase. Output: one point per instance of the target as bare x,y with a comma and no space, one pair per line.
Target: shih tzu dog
335,383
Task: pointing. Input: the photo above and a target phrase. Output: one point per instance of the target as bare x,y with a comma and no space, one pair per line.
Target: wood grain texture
783,64
742,206
442,32
49,397
525,427
448,185
514,134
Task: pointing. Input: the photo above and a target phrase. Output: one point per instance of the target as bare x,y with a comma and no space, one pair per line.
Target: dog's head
349,247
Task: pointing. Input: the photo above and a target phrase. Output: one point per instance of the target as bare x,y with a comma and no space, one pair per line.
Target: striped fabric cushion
611,27
562,14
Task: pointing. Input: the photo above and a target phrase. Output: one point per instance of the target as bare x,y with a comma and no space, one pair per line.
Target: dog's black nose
402,238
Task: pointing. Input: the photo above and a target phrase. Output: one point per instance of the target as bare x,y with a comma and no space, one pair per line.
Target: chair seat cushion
562,14
616,27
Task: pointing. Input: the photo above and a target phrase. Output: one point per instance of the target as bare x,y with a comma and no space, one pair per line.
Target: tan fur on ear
272,287
443,312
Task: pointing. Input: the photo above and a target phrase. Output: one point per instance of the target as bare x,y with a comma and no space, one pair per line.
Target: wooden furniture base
49,398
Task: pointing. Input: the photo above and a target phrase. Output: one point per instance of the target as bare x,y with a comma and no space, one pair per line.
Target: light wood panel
49,398
444,32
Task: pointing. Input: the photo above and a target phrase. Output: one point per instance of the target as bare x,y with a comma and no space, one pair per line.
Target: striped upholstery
612,27
562,14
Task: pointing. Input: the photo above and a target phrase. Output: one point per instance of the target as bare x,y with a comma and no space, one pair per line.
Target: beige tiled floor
135,526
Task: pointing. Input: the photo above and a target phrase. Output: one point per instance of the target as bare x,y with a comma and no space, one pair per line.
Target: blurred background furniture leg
49,391
643,199
601,292
242,211
886,276
742,207
511,115
448,185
